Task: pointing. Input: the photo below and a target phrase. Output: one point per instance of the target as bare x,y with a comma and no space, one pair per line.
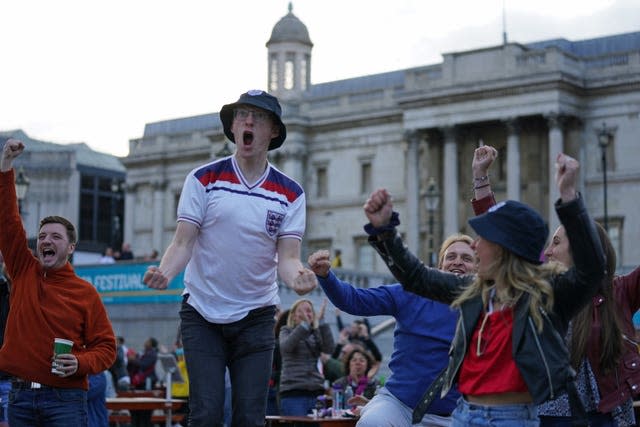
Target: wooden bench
118,420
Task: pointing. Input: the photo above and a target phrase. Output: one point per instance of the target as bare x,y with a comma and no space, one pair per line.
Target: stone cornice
425,100
140,160
339,122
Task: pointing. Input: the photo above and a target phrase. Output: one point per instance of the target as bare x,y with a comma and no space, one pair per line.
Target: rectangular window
366,180
105,219
322,190
85,229
104,184
87,182
101,209
366,255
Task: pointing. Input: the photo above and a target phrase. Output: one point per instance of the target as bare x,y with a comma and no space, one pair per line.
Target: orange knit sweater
47,305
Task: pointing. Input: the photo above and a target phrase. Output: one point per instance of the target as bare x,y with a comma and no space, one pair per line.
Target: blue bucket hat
259,99
514,226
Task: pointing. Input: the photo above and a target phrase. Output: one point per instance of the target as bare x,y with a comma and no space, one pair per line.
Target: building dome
290,29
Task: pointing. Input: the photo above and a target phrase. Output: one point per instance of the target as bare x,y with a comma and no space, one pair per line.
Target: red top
489,367
46,305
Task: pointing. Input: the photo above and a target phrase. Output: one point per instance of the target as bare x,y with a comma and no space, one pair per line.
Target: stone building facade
405,129
76,182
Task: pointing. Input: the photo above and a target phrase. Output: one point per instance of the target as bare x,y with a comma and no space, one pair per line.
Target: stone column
450,185
129,212
513,159
291,157
413,194
158,210
556,145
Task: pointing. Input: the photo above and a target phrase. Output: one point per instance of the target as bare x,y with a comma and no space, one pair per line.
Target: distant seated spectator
357,333
133,361
146,372
125,252
333,365
336,262
153,256
120,375
357,364
107,256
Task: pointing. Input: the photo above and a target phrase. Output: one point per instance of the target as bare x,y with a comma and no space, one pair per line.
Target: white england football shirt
233,266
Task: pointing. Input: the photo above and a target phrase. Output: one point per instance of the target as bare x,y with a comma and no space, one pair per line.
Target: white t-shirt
233,267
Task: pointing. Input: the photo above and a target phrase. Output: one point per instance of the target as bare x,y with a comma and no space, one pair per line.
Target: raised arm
566,177
13,238
575,288
405,266
371,301
378,208
12,149
483,197
175,259
290,268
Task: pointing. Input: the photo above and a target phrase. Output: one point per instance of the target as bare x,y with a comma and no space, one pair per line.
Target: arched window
289,71
273,73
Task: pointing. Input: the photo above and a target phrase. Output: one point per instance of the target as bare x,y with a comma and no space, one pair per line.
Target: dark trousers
246,347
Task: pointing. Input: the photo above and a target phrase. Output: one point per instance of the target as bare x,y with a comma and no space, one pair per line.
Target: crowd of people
507,330
111,256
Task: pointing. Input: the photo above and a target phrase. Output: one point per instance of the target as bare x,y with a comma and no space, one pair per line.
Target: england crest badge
273,222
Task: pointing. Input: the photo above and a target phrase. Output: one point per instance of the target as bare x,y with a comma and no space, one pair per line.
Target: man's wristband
390,226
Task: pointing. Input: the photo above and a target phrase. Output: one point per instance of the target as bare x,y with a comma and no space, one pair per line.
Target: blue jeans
297,405
54,407
470,414
5,387
246,347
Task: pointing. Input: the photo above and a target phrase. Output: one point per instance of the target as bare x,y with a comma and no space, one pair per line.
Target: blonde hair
291,318
522,277
454,238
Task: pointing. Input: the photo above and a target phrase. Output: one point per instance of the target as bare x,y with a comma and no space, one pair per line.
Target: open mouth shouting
48,255
247,137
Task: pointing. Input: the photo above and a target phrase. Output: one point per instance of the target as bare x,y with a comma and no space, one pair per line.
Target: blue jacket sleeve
360,302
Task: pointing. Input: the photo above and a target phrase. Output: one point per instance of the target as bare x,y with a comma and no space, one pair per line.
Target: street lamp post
604,138
22,185
432,200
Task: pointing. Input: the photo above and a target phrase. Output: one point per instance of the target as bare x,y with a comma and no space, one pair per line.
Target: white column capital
556,120
513,125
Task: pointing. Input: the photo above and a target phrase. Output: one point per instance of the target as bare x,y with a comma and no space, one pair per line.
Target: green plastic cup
60,346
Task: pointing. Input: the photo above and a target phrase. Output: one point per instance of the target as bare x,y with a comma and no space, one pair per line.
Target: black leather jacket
542,358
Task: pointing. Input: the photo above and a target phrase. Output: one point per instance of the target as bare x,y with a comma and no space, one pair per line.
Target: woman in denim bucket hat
508,353
601,336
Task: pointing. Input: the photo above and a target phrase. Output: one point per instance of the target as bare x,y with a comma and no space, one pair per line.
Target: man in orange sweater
48,301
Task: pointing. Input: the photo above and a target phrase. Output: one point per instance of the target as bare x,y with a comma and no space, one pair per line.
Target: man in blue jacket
423,334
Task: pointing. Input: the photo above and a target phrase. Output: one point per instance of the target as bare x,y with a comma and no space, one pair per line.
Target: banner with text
121,283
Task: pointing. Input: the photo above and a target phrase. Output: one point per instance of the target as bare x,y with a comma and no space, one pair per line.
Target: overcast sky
98,71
